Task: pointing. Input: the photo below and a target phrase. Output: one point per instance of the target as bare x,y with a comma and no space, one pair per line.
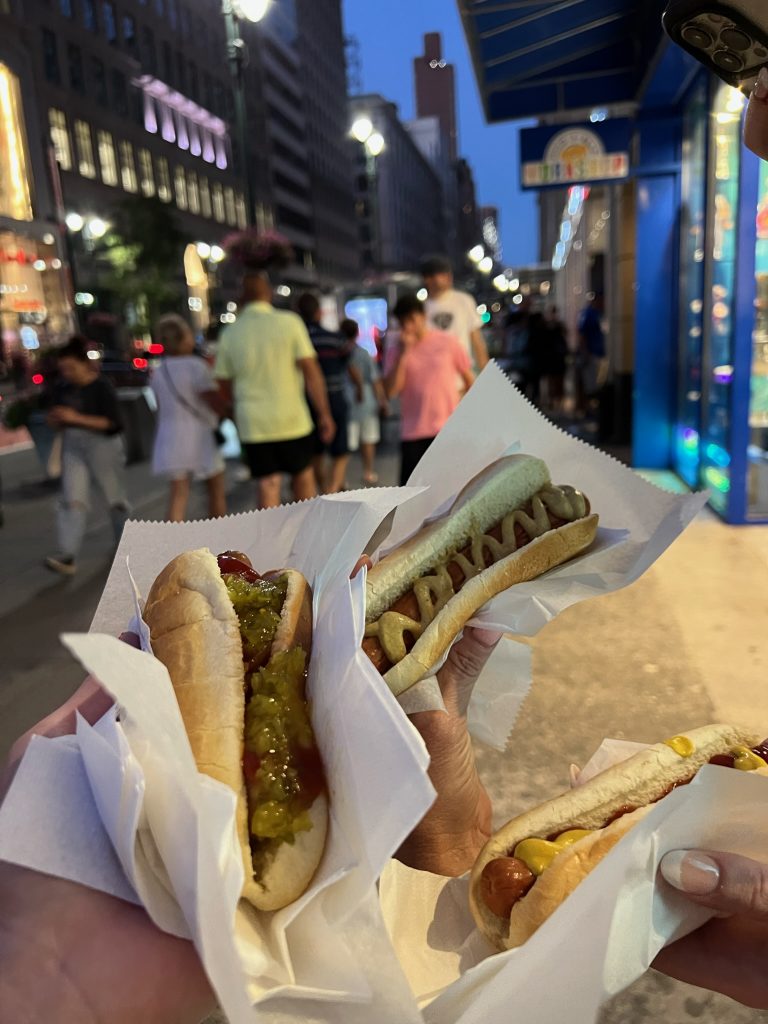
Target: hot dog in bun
237,646
509,525
533,863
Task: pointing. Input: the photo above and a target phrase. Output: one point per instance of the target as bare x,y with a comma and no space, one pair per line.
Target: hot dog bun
195,633
636,783
507,485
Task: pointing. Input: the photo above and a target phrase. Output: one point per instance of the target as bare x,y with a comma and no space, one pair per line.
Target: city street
683,647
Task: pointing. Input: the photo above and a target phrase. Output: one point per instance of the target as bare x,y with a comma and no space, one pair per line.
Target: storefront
720,436
34,308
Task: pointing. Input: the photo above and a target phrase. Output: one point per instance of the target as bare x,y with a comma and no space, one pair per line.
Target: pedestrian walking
591,353
423,370
333,353
87,412
555,360
188,407
453,311
265,364
368,403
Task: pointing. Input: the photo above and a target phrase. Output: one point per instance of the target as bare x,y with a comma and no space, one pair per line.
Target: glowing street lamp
251,10
476,254
97,227
74,221
485,266
501,283
375,144
217,254
362,129
203,250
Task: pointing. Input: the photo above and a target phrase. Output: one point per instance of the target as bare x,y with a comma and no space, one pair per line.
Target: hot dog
509,525
237,647
531,865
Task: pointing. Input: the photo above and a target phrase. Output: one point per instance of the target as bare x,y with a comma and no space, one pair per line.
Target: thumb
724,882
465,662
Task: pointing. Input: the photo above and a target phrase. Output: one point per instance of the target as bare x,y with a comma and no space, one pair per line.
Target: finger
756,120
724,882
363,560
466,660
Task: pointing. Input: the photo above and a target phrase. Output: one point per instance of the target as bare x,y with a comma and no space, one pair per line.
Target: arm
381,396
226,395
469,379
63,416
357,379
394,381
479,349
314,382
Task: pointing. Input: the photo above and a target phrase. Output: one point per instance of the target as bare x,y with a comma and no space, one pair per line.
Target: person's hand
326,428
63,415
457,826
408,339
729,953
384,409
71,954
756,120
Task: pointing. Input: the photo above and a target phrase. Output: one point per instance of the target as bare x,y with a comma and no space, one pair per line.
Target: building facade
399,194
326,110
435,82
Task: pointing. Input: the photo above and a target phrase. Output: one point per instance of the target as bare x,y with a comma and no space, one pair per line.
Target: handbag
218,434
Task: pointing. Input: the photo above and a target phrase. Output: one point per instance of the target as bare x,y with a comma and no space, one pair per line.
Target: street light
485,266
203,250
237,55
74,221
217,254
362,129
500,283
96,227
476,253
374,144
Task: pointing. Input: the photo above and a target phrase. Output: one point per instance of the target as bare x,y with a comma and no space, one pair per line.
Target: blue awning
539,57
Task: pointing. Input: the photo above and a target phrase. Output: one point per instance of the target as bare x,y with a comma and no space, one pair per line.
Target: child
368,402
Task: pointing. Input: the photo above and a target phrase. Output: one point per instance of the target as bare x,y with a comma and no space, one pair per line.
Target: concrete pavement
682,647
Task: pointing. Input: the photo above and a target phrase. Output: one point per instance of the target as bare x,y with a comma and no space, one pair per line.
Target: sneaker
62,565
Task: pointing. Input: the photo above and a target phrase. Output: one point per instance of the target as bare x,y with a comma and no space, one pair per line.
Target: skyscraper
436,90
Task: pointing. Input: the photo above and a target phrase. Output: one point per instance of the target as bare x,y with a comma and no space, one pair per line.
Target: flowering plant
259,250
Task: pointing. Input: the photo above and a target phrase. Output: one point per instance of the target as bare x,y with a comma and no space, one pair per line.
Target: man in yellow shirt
266,367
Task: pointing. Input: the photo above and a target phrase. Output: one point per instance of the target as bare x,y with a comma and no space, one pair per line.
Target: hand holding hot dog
727,954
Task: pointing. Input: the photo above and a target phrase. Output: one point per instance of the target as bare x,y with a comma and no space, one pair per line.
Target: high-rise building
326,111
399,194
470,228
436,90
489,223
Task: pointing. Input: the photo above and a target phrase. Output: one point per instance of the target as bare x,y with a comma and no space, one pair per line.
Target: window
89,15
60,139
75,62
85,161
65,6
51,57
218,202
99,82
128,168
181,73
146,173
119,93
180,188
193,193
110,24
148,51
229,205
107,159
163,181
242,214
129,33
167,63
205,197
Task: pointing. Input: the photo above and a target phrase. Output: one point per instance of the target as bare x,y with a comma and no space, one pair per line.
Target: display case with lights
757,453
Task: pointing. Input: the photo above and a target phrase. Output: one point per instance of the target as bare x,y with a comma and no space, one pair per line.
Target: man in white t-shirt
453,311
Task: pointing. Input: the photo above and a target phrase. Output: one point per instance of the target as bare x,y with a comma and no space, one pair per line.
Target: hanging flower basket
255,250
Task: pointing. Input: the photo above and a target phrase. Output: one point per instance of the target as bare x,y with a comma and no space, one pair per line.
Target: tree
144,250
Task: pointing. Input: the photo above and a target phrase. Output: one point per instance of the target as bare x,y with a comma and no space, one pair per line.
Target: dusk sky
390,36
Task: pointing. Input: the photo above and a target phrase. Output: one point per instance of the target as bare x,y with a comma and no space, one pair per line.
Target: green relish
258,606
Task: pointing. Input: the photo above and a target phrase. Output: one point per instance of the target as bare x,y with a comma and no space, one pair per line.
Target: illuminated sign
15,199
552,156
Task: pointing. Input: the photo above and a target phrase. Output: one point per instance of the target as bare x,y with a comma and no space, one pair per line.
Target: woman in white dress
188,407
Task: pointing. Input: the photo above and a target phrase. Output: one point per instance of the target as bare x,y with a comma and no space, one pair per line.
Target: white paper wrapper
601,939
637,521
132,816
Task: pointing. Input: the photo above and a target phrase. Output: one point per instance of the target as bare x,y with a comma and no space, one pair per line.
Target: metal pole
236,54
373,187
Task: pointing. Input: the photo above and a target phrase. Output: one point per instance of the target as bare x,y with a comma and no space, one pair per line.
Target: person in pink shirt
424,370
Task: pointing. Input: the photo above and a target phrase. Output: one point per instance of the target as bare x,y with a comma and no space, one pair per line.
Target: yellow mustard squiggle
434,591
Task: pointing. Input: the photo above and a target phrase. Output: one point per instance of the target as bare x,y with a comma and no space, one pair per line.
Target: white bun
637,782
507,484
196,634
533,560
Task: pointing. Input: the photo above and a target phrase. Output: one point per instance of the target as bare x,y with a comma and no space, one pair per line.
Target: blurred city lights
501,283
422,294
74,221
48,238
97,228
514,284
217,254
375,144
39,265
476,254
251,10
203,250
92,353
362,129
37,378
485,265
517,299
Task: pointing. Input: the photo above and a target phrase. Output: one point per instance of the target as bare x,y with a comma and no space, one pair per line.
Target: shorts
367,431
265,458
340,413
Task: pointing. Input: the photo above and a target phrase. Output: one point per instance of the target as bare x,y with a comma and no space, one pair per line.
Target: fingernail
487,637
760,91
693,873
